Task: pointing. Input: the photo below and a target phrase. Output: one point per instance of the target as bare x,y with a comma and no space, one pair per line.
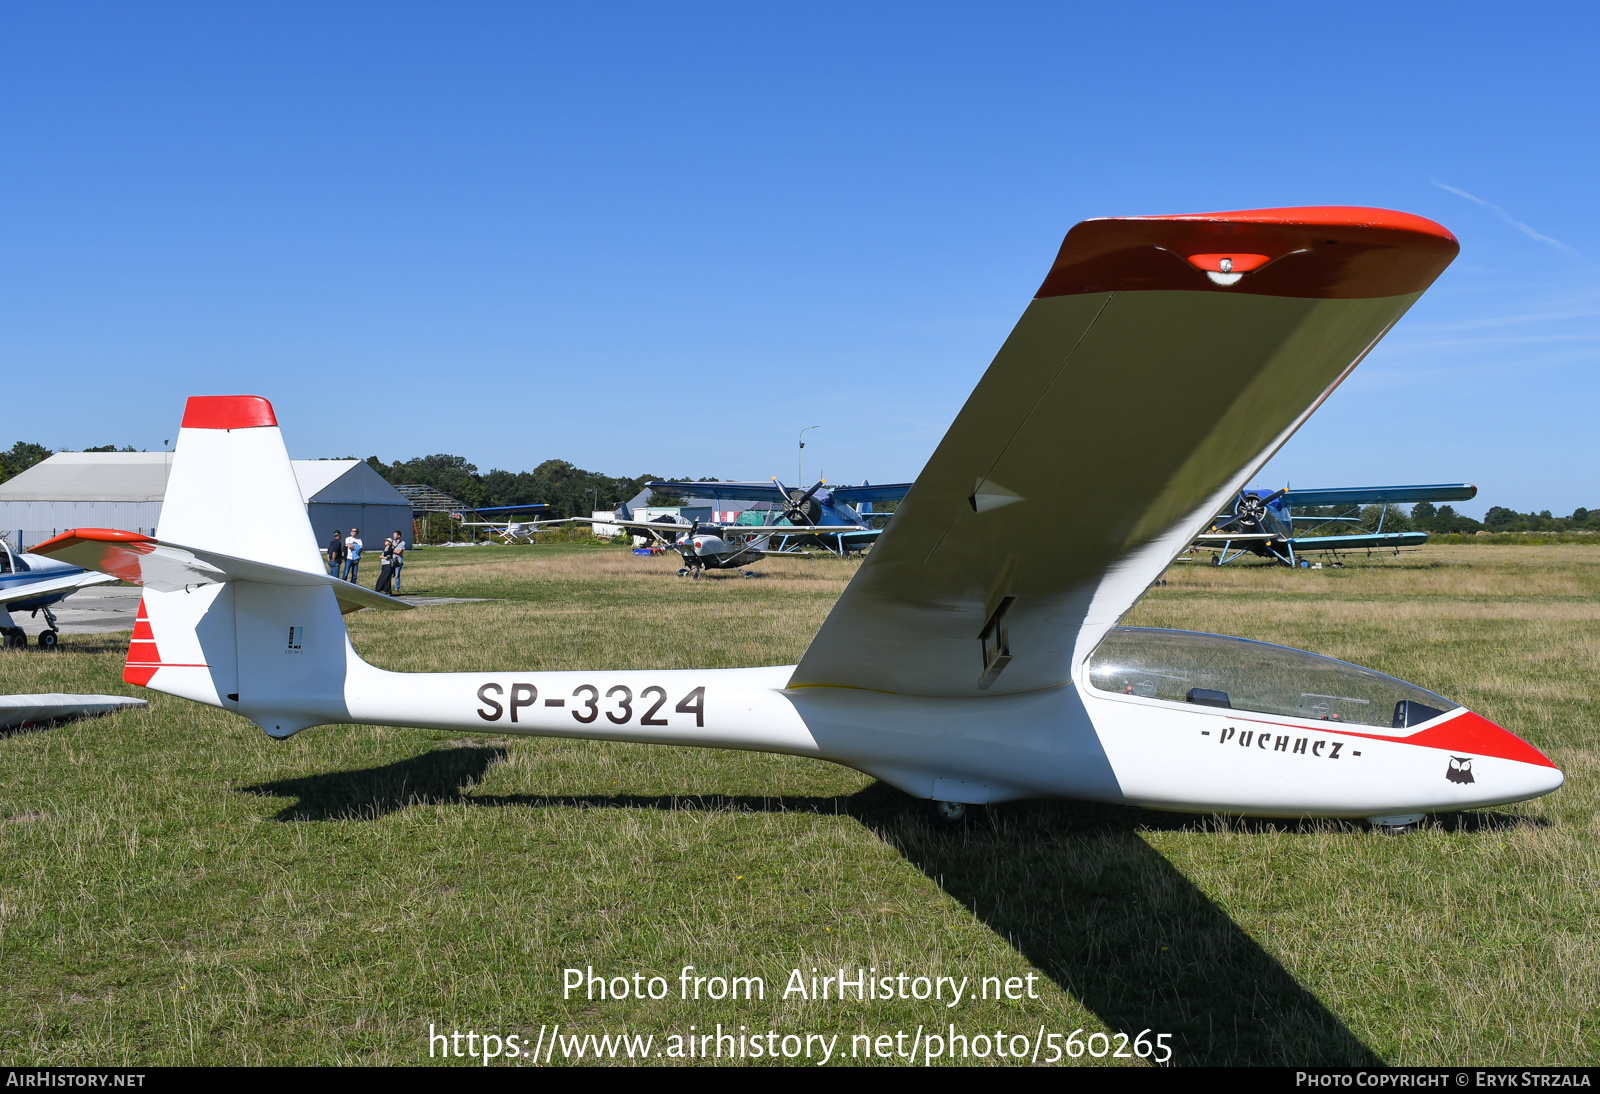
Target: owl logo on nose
1460,770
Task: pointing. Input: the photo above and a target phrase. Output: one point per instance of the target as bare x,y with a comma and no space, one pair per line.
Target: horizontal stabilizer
169,567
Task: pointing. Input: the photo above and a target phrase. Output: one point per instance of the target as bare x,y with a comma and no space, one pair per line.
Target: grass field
176,888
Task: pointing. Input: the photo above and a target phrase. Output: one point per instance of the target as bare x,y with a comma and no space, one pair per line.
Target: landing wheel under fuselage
14,638
952,815
1397,825
48,640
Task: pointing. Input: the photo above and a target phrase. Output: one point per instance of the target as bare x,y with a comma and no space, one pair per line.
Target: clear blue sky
664,238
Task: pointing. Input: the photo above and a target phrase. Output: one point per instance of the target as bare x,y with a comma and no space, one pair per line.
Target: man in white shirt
352,555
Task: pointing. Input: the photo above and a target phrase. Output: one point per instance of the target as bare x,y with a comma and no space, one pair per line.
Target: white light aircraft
975,655
32,583
509,530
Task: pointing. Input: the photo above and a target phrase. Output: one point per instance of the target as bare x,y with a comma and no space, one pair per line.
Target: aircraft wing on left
1394,495
708,527
722,491
13,593
856,495
1357,541
169,567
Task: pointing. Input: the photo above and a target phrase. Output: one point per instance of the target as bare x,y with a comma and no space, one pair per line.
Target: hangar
125,490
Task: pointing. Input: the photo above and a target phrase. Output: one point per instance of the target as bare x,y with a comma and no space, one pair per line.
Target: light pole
799,458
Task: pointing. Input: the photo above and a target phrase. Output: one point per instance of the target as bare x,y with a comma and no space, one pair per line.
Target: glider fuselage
1073,741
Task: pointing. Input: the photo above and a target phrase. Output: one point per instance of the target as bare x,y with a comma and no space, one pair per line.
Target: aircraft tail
272,650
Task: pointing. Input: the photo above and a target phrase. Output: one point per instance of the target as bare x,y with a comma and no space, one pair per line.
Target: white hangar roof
349,482
92,476
142,477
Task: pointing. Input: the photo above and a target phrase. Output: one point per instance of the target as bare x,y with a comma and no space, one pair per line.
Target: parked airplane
31,583
509,530
712,546
975,655
839,519
1261,522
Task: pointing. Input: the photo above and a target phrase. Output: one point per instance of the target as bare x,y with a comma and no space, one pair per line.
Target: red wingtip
1326,252
227,412
1320,216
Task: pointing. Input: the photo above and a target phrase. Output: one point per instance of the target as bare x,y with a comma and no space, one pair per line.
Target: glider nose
1471,734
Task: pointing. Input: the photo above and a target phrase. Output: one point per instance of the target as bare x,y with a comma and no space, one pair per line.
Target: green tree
1393,517
569,490
22,456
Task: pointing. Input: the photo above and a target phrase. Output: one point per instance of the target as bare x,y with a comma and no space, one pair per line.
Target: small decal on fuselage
1460,770
296,636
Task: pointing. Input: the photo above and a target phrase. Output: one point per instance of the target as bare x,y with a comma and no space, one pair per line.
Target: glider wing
1161,363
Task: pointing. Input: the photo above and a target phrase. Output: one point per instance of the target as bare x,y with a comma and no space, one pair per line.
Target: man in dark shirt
335,552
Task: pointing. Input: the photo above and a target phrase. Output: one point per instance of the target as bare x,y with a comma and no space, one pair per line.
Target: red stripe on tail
142,653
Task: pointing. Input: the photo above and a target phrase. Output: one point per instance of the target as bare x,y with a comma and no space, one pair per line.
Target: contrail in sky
1509,219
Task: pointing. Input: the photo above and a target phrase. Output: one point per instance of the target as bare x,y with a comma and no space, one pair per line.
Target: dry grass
176,888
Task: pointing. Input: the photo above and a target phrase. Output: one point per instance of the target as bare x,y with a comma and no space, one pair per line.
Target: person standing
352,555
399,559
386,574
335,553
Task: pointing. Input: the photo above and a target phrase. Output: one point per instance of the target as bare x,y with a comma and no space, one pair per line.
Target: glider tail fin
232,488
276,653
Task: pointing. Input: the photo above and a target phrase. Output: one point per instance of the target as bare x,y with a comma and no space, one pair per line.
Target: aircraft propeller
1251,508
796,503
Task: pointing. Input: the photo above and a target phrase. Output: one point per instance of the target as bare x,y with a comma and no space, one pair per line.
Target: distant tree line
570,491
1443,519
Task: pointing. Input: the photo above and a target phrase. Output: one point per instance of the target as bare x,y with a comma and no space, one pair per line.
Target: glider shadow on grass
1074,888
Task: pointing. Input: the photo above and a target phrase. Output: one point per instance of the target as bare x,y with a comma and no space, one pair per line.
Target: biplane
1262,522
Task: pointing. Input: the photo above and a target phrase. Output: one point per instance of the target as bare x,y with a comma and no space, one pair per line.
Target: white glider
973,658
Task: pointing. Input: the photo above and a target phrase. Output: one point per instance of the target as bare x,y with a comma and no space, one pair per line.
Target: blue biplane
840,518
1261,522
